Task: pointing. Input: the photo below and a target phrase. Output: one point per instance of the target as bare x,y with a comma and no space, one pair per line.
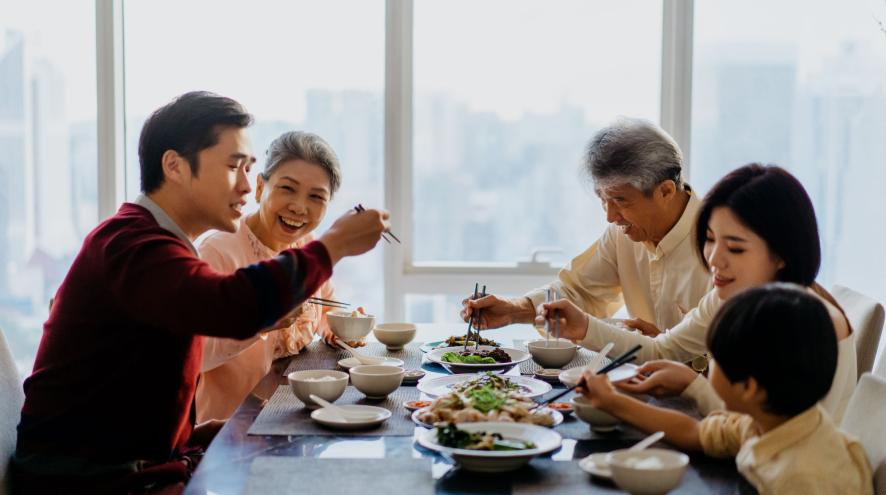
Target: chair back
864,419
10,410
866,316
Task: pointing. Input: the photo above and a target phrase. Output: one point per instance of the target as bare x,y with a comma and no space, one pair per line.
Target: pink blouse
232,368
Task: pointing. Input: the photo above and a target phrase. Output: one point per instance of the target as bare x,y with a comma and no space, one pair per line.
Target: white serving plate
442,385
517,357
495,461
628,370
329,419
557,415
348,363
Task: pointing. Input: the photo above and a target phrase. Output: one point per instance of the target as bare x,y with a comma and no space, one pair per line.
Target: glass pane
48,154
804,87
506,98
297,65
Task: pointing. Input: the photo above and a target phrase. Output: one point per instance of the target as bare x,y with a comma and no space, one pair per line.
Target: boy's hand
597,388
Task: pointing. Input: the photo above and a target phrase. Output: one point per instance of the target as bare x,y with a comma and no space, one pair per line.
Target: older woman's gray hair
298,145
636,152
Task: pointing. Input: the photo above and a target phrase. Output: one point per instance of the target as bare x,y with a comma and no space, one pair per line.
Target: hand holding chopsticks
359,208
627,357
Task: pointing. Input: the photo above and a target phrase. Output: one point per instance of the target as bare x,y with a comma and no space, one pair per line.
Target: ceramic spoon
359,357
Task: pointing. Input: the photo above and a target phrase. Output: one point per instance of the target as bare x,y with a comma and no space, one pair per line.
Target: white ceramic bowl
349,328
394,335
552,353
303,384
599,420
376,381
497,461
649,471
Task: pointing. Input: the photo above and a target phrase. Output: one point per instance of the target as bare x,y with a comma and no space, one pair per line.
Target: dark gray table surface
225,468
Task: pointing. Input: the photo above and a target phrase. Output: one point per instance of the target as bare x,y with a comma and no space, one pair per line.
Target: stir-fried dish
498,383
485,404
450,436
477,357
459,341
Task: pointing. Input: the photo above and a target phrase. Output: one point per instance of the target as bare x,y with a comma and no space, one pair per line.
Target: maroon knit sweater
117,366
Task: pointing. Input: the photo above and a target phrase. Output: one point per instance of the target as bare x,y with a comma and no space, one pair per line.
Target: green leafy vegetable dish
477,357
450,436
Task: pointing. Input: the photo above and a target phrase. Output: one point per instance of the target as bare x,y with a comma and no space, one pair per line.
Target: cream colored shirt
806,455
659,284
232,368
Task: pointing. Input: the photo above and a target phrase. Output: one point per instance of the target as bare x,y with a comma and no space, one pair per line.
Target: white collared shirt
659,284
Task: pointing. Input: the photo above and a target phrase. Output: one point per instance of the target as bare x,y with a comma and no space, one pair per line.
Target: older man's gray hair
298,145
636,152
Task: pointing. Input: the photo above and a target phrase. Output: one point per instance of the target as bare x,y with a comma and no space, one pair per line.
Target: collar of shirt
679,231
164,220
769,444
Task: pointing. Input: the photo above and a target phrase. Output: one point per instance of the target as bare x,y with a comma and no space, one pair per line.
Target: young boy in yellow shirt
775,352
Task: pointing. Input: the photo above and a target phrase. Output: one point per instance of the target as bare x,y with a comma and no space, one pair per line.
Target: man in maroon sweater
109,405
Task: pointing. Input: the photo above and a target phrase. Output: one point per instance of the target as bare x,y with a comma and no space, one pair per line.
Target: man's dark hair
187,125
771,202
783,337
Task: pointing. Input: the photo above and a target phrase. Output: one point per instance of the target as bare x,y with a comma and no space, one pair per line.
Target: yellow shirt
806,455
232,368
659,284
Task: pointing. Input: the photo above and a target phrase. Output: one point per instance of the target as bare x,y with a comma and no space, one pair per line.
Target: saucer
348,363
413,376
327,418
597,465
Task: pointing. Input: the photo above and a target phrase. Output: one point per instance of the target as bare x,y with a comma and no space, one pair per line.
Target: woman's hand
597,388
572,320
497,312
646,328
660,378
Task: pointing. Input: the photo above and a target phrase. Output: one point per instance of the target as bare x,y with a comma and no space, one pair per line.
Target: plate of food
491,447
483,358
519,385
483,405
456,341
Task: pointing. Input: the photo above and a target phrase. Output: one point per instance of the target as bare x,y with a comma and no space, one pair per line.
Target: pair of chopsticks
360,208
319,301
548,300
471,319
620,360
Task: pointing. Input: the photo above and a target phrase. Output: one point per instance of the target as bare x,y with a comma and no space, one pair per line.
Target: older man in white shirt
645,259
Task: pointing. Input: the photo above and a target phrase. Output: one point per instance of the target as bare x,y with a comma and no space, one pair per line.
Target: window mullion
110,129
676,73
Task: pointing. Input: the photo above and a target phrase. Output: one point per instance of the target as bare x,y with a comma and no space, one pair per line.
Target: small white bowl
349,328
599,420
552,353
376,381
649,471
394,335
303,384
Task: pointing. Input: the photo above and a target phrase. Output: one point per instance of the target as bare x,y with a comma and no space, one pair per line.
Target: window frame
402,274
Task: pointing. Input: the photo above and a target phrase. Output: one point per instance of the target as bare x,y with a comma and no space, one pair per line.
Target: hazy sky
504,55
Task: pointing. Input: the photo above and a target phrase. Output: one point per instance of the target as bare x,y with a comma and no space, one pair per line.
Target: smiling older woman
301,175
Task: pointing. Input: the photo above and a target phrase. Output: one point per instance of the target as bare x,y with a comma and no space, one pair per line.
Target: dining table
240,461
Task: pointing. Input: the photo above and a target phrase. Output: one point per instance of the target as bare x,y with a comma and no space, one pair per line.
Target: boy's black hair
781,335
187,125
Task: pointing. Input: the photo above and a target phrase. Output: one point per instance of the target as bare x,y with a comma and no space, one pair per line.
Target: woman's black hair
771,202
783,337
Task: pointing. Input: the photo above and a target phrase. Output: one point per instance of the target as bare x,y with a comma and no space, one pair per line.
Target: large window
505,100
804,87
48,191
301,65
